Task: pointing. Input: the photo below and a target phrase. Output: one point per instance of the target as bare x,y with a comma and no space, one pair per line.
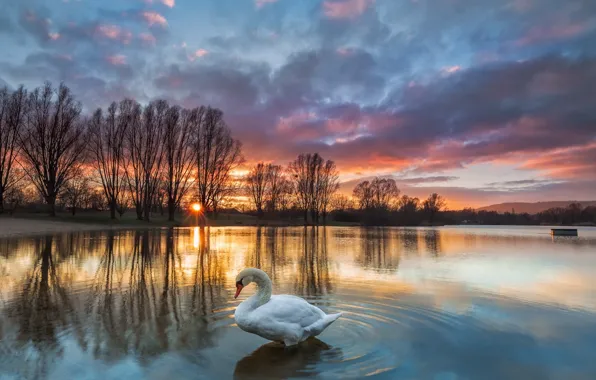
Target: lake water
444,304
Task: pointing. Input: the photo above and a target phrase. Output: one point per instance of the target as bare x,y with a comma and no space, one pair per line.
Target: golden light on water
196,237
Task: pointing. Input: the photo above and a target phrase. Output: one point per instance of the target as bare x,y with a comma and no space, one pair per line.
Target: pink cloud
147,38
167,3
200,53
114,32
154,18
345,9
262,3
554,32
54,36
117,60
345,52
450,69
571,162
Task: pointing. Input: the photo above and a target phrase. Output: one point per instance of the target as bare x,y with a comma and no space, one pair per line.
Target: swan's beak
238,290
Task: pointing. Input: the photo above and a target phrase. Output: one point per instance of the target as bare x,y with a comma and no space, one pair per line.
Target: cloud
114,32
147,39
38,25
345,9
169,3
200,53
116,60
402,90
153,18
262,3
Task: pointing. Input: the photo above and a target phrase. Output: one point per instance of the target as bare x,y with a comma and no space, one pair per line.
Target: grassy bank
182,220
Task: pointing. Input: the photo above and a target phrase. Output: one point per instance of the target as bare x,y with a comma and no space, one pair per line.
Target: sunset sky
483,101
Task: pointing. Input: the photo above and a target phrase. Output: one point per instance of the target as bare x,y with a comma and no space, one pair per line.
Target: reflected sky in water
447,303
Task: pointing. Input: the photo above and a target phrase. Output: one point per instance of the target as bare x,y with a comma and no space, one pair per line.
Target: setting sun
196,207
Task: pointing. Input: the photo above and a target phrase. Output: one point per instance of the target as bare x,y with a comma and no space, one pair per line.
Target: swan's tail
318,327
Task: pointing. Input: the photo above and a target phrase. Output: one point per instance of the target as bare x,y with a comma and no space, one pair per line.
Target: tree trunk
305,217
147,211
74,210
113,209
171,209
139,210
260,212
51,205
1,201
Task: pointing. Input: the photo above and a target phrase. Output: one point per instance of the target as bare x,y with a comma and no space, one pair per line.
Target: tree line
139,156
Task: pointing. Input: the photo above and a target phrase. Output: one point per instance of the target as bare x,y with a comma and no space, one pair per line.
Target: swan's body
281,318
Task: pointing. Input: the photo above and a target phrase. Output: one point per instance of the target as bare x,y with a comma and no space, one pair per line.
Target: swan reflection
275,361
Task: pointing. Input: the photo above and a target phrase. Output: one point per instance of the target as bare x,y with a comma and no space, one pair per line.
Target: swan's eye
240,282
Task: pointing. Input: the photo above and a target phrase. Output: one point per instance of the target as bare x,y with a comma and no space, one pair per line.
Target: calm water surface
448,303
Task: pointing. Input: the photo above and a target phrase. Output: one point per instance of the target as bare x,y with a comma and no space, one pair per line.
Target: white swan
281,318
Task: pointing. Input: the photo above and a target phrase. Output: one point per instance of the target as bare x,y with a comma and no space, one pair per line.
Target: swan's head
247,276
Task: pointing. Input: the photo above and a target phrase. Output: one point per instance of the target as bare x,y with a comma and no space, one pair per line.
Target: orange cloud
154,18
345,9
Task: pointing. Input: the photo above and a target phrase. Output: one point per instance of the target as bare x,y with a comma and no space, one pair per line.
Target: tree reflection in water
432,241
379,249
157,312
41,312
142,302
312,277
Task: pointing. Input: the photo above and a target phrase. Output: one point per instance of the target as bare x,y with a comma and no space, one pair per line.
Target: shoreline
35,225
17,227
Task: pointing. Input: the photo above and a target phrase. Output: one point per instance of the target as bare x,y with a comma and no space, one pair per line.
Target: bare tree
257,186
340,202
180,155
124,201
217,155
303,171
285,195
408,205
76,192
364,195
107,138
432,205
327,185
385,191
276,185
378,194
315,181
12,114
52,140
133,168
145,155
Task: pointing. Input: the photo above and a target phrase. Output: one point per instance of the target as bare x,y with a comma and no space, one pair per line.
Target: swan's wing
289,310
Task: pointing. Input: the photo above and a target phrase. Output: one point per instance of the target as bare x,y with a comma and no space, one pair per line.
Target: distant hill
532,208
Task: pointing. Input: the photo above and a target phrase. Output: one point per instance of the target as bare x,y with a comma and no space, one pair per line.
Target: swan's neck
263,294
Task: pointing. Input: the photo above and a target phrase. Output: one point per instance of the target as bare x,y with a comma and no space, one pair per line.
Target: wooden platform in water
563,231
